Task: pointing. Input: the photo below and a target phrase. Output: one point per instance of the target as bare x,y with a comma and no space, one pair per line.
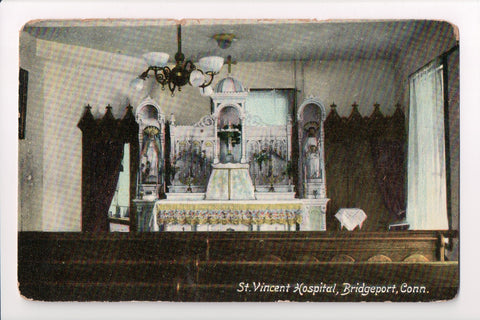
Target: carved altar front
233,215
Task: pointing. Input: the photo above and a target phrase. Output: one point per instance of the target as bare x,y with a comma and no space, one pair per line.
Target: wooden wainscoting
216,266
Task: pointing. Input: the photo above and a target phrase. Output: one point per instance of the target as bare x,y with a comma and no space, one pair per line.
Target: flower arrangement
261,157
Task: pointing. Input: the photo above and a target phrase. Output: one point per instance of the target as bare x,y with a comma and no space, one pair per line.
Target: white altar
231,171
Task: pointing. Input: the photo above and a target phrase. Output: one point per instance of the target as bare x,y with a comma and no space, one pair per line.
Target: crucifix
230,62
229,143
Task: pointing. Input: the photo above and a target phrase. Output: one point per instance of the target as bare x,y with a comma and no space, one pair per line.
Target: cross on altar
230,62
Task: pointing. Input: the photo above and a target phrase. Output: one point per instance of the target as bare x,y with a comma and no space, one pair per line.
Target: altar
232,171
226,216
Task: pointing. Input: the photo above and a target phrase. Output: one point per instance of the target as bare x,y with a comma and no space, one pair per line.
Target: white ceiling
255,40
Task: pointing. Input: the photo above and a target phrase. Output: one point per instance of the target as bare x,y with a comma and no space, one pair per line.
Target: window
119,211
427,188
271,107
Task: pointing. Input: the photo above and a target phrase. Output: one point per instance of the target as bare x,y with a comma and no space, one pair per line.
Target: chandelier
182,73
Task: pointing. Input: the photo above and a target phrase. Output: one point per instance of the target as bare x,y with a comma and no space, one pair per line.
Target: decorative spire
376,114
398,114
333,116
129,126
128,117
355,111
108,124
87,121
355,115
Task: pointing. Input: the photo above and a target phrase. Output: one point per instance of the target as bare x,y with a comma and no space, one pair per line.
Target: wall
68,85
454,146
64,78
30,149
189,106
454,135
365,82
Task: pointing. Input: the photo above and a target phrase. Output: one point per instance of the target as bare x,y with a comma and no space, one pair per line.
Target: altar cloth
226,212
230,181
350,218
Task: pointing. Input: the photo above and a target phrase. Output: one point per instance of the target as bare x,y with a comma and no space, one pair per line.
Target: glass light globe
197,78
206,92
156,59
212,64
137,84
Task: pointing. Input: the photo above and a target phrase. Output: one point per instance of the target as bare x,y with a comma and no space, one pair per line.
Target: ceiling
254,40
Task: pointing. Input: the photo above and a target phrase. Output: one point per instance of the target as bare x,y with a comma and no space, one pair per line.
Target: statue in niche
150,156
313,163
312,155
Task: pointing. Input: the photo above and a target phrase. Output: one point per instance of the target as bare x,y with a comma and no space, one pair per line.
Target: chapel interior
295,142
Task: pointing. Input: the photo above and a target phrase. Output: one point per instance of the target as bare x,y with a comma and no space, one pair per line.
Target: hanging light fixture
182,73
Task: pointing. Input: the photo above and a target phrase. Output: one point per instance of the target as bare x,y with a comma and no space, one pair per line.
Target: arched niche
311,104
229,121
311,161
151,137
228,115
229,130
148,112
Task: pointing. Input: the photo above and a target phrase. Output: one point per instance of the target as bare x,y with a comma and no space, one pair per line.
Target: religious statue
313,163
312,155
150,160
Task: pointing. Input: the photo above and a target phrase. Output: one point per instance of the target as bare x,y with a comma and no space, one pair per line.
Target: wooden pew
210,266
